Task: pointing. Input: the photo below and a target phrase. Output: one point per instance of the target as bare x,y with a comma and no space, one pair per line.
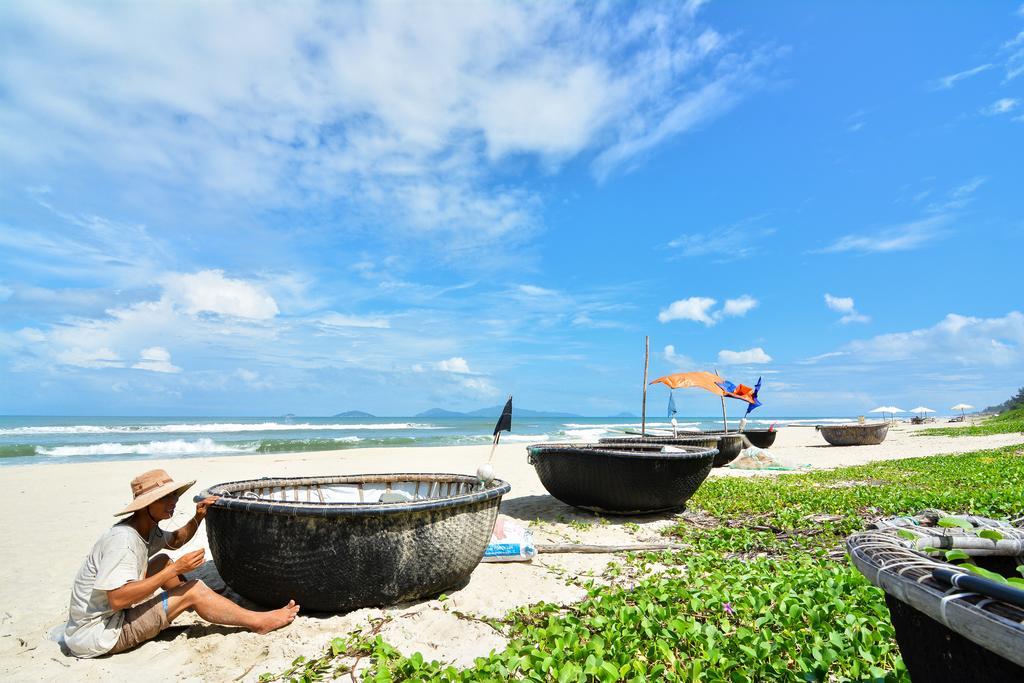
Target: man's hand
203,506
189,561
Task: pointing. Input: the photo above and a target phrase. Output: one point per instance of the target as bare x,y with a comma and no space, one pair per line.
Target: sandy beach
52,514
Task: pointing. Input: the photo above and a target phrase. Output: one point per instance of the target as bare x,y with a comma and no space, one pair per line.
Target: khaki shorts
142,622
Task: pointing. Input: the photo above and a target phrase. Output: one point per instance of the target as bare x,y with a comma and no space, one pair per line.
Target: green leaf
952,555
998,578
990,534
950,522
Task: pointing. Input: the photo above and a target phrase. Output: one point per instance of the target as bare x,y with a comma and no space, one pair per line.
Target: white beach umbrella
921,409
888,409
962,407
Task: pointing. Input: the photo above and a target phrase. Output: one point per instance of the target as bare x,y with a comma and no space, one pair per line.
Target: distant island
494,412
353,413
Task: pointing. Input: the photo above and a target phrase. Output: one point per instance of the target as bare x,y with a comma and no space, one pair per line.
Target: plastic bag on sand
754,458
510,542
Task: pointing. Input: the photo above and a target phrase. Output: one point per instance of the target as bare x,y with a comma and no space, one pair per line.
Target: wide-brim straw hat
150,487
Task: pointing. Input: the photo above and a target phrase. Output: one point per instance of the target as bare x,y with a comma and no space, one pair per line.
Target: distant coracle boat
728,447
624,479
855,434
729,444
759,438
659,440
337,543
952,625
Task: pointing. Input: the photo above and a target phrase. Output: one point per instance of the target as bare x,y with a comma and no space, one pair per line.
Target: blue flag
756,403
671,405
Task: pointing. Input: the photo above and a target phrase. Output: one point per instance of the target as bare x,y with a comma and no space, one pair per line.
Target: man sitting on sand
112,603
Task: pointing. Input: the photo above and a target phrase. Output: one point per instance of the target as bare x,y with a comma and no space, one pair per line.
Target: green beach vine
761,592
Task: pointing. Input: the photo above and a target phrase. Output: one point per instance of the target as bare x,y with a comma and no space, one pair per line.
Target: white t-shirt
119,556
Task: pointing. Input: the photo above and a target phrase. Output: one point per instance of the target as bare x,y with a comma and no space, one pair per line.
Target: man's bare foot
277,618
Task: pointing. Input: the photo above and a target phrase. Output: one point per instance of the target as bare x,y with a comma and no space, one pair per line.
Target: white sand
52,514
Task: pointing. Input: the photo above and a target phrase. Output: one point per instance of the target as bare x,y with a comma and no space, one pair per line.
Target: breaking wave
224,427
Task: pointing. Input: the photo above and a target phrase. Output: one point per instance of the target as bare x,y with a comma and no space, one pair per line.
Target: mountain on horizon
353,413
492,412
439,412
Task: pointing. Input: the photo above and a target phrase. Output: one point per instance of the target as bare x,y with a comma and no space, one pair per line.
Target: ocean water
31,440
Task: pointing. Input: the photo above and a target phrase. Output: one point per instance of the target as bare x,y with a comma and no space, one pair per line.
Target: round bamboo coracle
341,542
946,633
639,478
870,434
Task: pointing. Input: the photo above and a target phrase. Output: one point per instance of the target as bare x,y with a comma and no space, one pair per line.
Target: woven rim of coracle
686,452
496,489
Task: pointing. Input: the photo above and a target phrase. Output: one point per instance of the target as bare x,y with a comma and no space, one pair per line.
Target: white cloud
83,245
947,82
103,341
533,290
89,358
478,386
738,307
1001,106
156,359
824,356
455,364
695,308
1015,62
208,291
340,320
584,320
698,309
247,375
844,304
252,379
678,361
968,188
752,356
959,197
728,243
855,122
958,339
898,238
406,110
31,335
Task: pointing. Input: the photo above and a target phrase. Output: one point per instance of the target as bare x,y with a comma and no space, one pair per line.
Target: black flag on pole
505,421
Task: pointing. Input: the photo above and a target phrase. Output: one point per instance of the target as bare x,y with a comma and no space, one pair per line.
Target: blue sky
231,209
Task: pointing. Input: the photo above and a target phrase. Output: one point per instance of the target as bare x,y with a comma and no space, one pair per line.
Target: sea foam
224,427
171,447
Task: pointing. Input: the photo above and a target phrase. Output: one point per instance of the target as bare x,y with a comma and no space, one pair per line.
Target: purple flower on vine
727,607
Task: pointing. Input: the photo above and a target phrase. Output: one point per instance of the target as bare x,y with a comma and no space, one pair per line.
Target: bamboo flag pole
643,407
498,428
485,472
725,421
